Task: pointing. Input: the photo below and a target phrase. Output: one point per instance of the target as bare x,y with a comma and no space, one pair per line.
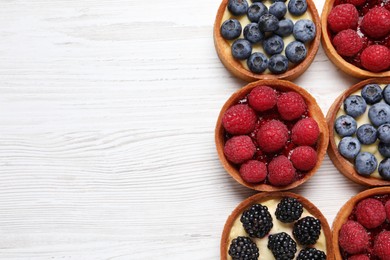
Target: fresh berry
367,134
382,245
281,171
296,51
278,64
370,213
278,9
386,94
272,136
252,33
262,98
376,58
253,171
348,43
239,149
268,23
376,22
387,207
343,17
239,119
238,7
241,49
384,149
379,114
359,257
231,29
304,158
353,238
355,106
356,2
297,7
257,221
365,163
305,132
288,210
384,169
349,147
345,125
291,106
282,246
372,93
257,62
286,27
307,230
311,254
273,45
384,133
243,248
304,30
255,11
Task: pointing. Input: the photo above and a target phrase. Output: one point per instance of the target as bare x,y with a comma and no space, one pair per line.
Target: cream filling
266,254
258,47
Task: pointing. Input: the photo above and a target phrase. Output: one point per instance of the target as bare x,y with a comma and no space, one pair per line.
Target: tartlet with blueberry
267,39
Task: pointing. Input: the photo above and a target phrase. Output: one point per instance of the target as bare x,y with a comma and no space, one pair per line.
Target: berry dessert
271,135
276,225
359,125
267,39
356,36
361,229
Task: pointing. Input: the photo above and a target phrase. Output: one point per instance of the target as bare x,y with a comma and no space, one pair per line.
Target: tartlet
314,112
237,69
275,197
342,164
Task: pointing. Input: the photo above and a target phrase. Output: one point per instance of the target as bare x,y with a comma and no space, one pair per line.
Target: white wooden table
107,112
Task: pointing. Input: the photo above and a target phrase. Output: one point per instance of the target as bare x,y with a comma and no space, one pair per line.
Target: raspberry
359,257
239,149
376,58
262,98
387,207
257,221
382,245
356,2
239,120
272,136
370,213
305,132
291,106
253,171
353,238
281,171
348,43
304,158
343,17
376,23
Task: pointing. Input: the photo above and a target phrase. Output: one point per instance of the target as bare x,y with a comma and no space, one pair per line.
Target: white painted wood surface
107,111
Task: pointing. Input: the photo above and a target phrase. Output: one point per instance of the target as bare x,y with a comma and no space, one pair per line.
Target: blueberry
278,9
255,11
372,93
279,1
345,125
241,49
367,134
297,7
384,169
349,147
384,133
252,33
384,149
365,163
304,30
257,62
286,27
238,7
296,51
278,64
268,23
273,45
355,106
231,29
379,114
386,94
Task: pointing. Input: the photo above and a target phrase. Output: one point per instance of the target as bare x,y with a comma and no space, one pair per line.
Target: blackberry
282,246
311,254
243,248
289,210
257,221
307,230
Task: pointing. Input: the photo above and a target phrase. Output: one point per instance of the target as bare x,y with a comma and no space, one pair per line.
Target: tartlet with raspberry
271,135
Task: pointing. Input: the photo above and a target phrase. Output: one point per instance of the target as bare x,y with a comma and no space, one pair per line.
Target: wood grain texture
107,116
